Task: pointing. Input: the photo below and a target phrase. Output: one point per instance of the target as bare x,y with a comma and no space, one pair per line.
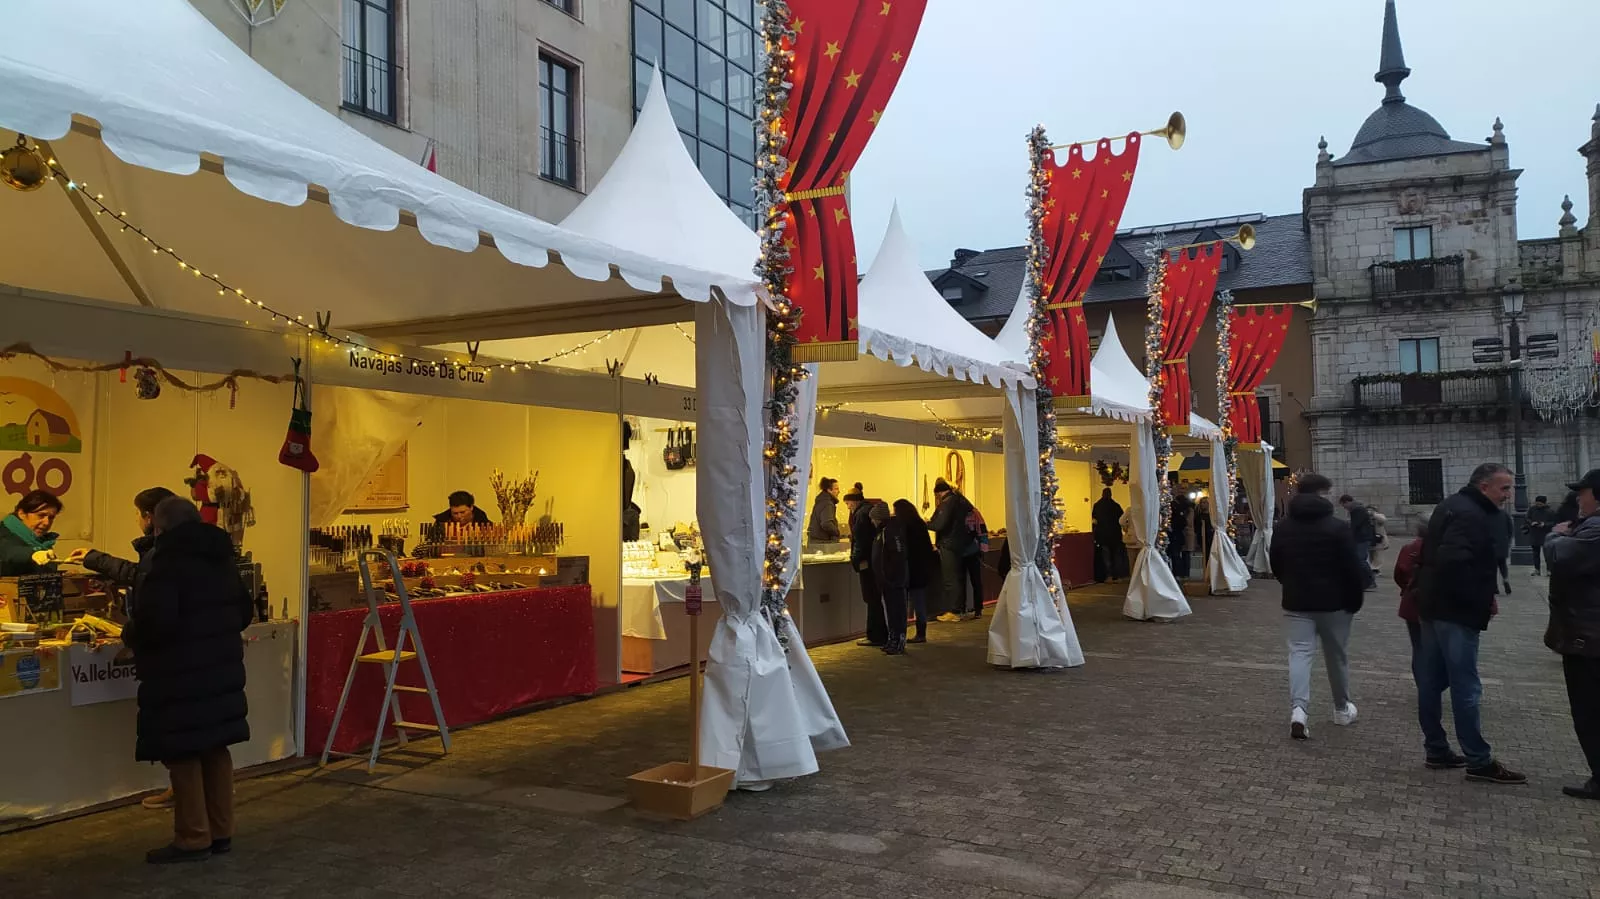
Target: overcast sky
1259,80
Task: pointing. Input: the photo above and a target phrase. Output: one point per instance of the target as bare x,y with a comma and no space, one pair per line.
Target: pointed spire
1392,67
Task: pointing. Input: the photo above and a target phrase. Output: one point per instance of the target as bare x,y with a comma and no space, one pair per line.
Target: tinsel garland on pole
1155,335
1225,406
782,493
1038,321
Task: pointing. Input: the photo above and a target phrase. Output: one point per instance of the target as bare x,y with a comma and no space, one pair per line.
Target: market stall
175,418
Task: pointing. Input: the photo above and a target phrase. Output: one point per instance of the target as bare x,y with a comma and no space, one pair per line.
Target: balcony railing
1474,388
370,84
1418,278
559,157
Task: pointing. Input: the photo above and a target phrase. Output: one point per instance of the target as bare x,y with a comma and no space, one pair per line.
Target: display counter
1074,554
490,653
70,711
655,626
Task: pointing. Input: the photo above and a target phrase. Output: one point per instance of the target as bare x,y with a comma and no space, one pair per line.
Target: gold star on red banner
853,79
832,135
1085,235
1127,176
838,216
1076,174
799,26
1104,194
877,115
1072,218
896,56
831,50
886,7
819,272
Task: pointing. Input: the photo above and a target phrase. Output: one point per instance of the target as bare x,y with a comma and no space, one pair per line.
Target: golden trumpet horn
1310,304
1176,131
1245,237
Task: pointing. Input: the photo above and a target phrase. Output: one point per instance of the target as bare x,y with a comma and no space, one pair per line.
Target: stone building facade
526,102
1414,248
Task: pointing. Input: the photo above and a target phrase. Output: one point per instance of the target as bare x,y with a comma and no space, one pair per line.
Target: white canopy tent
128,124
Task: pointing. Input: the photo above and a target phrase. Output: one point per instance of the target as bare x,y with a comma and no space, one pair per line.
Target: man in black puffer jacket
185,638
1574,630
1323,580
1456,587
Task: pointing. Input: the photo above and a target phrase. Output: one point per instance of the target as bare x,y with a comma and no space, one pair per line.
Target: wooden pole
694,694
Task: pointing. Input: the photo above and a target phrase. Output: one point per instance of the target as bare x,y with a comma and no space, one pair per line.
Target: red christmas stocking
296,452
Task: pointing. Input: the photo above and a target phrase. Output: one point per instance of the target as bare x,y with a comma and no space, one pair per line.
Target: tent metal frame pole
101,237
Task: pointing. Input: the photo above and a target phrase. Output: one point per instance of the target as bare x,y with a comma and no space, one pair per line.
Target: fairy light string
1039,170
1225,409
1155,335
227,289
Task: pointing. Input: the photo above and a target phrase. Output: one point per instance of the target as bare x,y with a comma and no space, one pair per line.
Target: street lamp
1511,302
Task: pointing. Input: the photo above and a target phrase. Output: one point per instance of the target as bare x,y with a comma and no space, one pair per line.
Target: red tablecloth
1075,559
489,653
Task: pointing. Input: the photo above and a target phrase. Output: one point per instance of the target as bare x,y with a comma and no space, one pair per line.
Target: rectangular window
952,294
369,58
1419,355
567,6
1112,273
1426,477
1413,243
558,108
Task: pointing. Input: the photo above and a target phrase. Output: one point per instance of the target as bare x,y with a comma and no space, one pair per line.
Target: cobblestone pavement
1163,768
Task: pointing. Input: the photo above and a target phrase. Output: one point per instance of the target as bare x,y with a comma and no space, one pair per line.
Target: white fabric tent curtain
354,432
752,719
1030,628
1153,590
1225,570
1255,473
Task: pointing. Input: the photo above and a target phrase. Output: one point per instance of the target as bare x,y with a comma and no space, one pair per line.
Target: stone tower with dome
1414,248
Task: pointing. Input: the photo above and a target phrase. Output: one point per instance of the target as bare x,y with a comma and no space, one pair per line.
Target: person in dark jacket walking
824,524
1539,520
185,637
1365,532
862,533
129,574
1455,601
1323,581
921,560
891,565
1107,531
959,554
1574,630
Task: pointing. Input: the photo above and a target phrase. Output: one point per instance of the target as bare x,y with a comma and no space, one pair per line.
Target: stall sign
104,674
45,440
383,366
693,600
29,671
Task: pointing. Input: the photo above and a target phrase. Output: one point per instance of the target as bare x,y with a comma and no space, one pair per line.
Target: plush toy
200,486
221,496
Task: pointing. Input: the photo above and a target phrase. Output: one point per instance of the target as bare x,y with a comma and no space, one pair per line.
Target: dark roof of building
1398,130
1281,258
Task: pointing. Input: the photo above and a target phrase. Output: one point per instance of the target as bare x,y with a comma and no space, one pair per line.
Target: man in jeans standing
1324,582
1455,603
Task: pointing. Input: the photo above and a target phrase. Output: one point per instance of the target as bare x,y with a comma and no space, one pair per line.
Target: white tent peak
654,200
903,319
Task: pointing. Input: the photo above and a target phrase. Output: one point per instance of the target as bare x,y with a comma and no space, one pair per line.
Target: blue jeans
1447,658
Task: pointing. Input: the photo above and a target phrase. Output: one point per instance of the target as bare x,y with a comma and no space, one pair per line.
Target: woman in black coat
922,559
184,634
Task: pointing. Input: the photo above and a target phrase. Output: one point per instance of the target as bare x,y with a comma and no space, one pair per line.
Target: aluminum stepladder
391,660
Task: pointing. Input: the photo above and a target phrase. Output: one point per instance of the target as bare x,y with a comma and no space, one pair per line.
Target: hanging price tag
691,599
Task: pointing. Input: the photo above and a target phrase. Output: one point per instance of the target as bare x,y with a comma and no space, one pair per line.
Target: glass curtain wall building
706,50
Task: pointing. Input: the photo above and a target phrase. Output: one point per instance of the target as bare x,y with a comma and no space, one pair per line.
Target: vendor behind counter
463,510
27,545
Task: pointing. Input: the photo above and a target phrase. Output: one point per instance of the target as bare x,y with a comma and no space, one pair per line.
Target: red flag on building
1190,283
848,56
430,157
1258,334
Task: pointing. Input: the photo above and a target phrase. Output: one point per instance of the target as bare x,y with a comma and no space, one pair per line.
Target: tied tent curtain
1031,628
1258,337
1153,590
1190,282
848,56
1225,570
1082,209
1255,475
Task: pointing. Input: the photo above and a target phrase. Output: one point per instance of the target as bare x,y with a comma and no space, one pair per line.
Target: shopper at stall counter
862,533
27,545
463,510
128,574
185,634
960,556
824,524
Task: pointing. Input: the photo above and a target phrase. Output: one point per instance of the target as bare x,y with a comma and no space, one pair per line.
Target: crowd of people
893,554
184,611
1451,577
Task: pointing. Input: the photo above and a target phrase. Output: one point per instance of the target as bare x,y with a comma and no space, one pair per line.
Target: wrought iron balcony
1475,393
1418,279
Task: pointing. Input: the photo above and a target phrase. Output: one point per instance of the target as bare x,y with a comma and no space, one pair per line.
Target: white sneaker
1298,728
1345,716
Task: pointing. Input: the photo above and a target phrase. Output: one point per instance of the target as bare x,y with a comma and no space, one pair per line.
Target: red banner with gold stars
1082,209
1258,336
848,56
1191,281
